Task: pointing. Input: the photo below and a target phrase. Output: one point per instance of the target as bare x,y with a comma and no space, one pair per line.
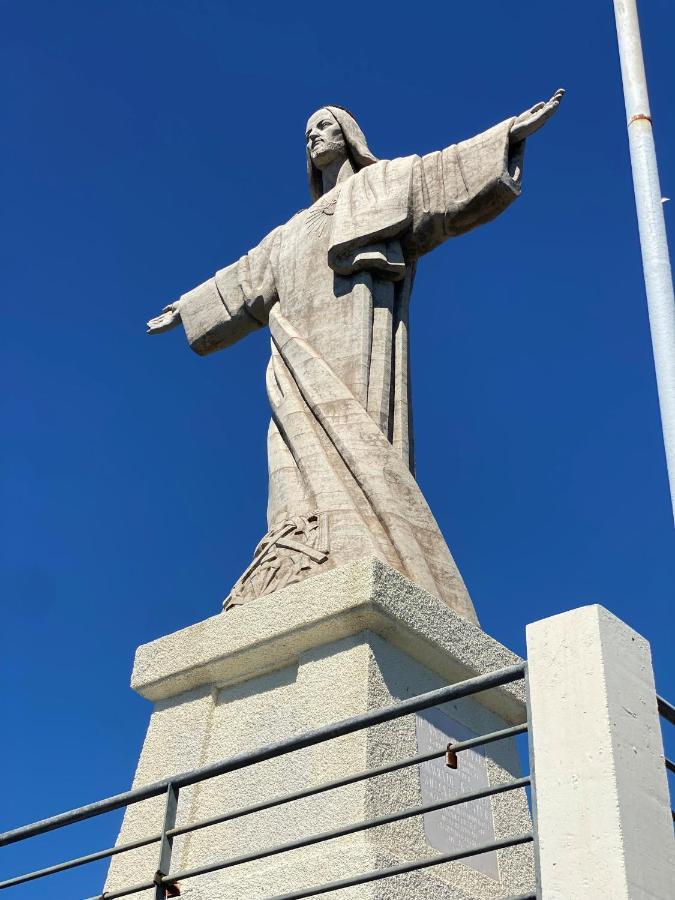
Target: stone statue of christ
333,285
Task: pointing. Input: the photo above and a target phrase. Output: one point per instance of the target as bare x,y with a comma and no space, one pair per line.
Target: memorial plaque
456,827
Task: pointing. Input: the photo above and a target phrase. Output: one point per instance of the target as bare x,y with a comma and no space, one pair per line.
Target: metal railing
165,883
667,712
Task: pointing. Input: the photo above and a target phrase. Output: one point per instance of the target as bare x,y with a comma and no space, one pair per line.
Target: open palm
533,119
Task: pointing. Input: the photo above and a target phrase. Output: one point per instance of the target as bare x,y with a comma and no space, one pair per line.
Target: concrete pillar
603,812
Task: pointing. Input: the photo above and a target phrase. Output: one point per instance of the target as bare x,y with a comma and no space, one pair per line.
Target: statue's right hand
169,318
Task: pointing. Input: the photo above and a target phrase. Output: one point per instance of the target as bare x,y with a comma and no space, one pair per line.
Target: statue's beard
325,152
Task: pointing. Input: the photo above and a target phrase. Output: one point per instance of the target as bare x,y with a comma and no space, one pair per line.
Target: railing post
604,825
166,844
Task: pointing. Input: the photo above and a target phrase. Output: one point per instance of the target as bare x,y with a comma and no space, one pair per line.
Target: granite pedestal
338,644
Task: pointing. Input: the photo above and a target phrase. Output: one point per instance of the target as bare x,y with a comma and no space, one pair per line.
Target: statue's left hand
533,119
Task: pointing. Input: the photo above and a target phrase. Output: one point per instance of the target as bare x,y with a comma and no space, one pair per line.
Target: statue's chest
304,275
331,312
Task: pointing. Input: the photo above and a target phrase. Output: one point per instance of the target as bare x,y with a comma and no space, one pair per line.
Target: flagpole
651,223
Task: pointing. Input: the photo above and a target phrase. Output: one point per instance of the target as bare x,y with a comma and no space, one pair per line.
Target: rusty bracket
170,890
639,117
451,757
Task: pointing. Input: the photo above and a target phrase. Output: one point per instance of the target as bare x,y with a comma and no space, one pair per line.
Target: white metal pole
651,224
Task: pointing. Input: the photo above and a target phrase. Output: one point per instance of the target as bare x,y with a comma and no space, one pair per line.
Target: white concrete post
603,812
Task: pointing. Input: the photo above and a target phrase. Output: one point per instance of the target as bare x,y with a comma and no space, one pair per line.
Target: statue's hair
357,149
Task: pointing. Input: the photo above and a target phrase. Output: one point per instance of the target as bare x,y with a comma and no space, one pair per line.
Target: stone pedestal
357,638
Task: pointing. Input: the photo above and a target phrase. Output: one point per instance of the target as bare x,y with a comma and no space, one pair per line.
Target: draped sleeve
392,212
463,186
235,302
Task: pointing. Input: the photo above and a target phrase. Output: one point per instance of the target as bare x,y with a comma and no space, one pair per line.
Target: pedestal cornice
274,631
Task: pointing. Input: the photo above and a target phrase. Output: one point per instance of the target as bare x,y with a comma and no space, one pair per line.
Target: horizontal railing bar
490,738
355,827
466,688
479,740
320,837
666,709
406,867
304,793
80,861
670,764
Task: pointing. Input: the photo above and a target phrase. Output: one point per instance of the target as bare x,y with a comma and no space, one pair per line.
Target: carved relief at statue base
284,556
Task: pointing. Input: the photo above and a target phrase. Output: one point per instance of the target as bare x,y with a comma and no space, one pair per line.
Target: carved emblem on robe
284,556
318,217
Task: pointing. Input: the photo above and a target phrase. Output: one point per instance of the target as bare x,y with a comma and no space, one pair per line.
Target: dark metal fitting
451,760
170,890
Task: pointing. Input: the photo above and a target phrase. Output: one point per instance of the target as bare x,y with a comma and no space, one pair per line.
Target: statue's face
325,141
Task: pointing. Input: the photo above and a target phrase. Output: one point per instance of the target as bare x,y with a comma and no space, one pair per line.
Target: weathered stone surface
334,285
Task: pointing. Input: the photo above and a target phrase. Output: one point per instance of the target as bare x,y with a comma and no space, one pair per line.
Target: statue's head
332,134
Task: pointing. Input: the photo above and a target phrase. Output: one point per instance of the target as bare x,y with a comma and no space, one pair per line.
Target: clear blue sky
147,144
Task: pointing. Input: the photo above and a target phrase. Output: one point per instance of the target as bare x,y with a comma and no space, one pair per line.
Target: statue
333,284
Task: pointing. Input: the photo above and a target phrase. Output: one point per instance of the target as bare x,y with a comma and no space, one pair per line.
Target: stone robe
333,284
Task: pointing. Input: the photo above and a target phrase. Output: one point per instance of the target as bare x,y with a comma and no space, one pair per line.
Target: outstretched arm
470,183
227,307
